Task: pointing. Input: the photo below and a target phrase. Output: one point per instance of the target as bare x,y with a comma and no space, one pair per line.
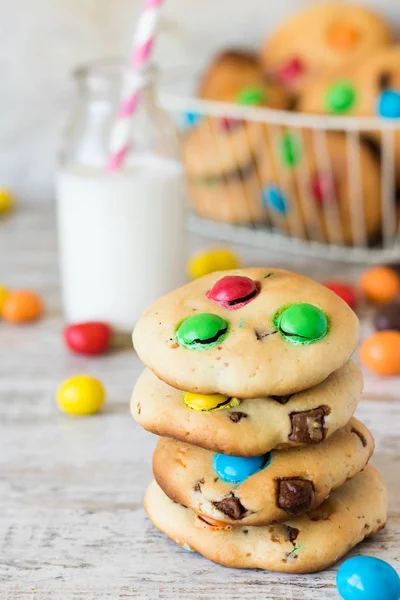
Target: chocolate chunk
384,80
387,316
295,495
308,425
360,435
292,532
281,399
231,506
237,416
198,484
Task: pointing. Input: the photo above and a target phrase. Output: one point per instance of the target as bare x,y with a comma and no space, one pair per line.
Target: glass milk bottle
121,235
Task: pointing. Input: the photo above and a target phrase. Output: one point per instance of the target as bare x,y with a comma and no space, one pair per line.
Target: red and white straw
139,59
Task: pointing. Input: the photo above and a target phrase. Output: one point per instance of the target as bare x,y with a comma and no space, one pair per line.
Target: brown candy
308,426
295,495
231,506
387,316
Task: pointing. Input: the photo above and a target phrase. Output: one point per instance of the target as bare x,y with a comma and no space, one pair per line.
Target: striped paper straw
139,59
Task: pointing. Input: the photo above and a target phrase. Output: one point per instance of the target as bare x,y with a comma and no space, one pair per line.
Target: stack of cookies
249,383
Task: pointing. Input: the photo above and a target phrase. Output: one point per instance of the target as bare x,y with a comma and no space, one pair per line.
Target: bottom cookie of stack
304,544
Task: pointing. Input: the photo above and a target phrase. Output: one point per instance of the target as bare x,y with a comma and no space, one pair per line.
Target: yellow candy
217,259
3,296
6,201
81,395
209,401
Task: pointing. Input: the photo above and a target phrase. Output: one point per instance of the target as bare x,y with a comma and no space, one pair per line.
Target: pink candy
324,188
233,291
290,71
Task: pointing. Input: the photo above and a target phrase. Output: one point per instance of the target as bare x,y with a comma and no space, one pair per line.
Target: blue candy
388,104
236,469
272,197
190,119
367,578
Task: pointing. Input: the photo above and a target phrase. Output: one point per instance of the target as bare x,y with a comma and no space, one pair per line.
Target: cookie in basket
247,333
237,76
264,489
251,426
323,186
320,37
220,158
304,544
367,89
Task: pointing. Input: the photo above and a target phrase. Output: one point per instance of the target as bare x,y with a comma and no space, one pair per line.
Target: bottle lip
105,74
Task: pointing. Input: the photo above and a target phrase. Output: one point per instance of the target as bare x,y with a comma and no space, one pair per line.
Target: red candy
324,188
233,291
290,71
88,338
343,290
227,125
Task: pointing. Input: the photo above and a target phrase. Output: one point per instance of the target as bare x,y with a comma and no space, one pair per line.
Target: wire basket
321,186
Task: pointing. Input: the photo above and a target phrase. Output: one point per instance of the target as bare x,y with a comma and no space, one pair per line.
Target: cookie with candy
250,385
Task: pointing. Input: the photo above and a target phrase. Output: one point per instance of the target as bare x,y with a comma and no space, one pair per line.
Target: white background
42,40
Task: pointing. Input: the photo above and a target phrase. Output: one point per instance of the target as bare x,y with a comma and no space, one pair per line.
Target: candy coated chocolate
367,578
251,96
233,291
291,71
387,316
290,149
191,119
302,323
340,97
343,290
236,469
90,338
201,331
274,199
388,105
227,124
208,402
324,187
342,36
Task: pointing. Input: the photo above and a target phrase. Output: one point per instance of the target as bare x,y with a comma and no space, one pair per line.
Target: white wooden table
71,519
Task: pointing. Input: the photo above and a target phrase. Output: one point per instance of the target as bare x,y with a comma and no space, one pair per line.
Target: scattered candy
290,149
81,395
343,290
88,338
342,36
380,353
387,317
273,198
209,402
201,331
380,284
235,469
190,119
388,105
341,97
217,259
324,188
251,96
302,323
290,71
233,291
22,306
3,295
6,201
367,578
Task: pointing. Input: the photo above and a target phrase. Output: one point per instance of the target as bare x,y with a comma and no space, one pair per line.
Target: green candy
201,331
290,150
302,323
251,96
340,97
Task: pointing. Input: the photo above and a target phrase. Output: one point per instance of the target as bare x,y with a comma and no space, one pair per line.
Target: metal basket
359,224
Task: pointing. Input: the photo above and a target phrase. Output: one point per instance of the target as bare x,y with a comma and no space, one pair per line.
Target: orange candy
343,36
22,306
380,284
380,353
209,523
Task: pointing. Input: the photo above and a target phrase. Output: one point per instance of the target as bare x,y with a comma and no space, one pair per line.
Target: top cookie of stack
247,333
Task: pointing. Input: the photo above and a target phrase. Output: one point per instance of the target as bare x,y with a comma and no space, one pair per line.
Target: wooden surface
71,519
